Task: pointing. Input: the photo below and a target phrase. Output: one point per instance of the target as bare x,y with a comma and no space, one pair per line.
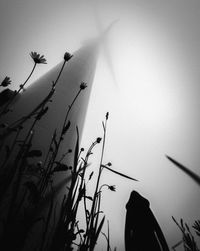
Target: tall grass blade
121,174
76,153
94,240
193,175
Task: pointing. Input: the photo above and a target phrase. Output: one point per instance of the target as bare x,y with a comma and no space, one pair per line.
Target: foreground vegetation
33,215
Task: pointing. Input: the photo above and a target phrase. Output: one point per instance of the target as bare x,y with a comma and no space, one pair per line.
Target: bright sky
154,109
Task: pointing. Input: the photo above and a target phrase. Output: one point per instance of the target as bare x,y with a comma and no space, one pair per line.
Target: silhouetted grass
29,199
188,239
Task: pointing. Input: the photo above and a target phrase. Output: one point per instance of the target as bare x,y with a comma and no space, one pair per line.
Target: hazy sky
154,109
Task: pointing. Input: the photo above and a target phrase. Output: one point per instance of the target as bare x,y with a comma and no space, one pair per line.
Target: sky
153,101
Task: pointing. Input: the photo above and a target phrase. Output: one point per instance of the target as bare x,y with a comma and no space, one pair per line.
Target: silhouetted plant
39,109
55,146
37,60
68,233
65,232
196,226
92,215
26,186
37,113
6,82
107,236
188,239
11,175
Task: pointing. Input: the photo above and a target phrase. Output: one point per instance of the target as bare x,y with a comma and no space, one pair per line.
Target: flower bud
67,56
112,188
83,85
98,140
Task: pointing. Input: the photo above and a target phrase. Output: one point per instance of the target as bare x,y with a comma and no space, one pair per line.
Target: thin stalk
41,106
18,91
16,185
49,150
60,72
95,197
22,120
21,155
52,160
81,239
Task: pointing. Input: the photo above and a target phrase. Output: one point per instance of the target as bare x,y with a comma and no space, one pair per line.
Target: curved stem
22,86
59,74
17,92
22,120
104,185
69,109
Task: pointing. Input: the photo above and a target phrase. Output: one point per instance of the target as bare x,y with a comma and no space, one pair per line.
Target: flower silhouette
5,82
98,140
37,58
83,85
67,56
112,188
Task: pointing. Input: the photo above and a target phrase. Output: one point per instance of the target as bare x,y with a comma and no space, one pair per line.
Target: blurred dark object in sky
142,231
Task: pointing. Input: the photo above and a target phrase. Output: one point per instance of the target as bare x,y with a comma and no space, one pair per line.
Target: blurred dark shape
112,188
196,226
83,85
105,44
34,153
5,82
107,115
98,140
193,175
5,96
142,231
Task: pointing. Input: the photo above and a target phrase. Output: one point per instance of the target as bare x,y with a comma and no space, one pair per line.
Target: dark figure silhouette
142,231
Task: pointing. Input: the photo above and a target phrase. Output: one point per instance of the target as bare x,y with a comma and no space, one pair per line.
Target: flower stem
22,120
17,92
96,198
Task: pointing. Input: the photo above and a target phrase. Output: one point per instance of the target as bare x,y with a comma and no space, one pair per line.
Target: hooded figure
142,231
